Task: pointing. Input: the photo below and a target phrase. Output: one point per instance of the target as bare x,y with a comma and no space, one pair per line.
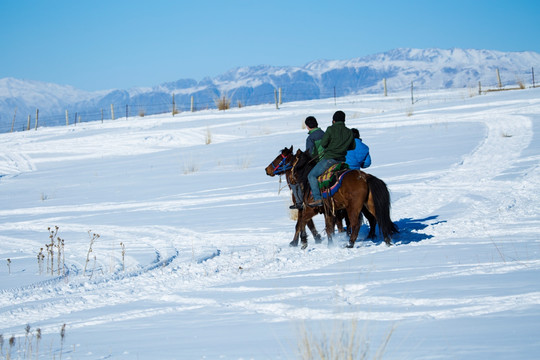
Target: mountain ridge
430,68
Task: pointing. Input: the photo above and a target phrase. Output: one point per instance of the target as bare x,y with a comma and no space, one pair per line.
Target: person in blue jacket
359,157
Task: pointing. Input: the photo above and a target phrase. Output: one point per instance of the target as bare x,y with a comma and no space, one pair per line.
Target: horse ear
291,149
298,152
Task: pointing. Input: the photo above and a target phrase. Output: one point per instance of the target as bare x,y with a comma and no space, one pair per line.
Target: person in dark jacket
315,135
359,157
337,140
313,148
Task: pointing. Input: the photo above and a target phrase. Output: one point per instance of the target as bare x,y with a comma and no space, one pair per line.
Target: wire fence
120,105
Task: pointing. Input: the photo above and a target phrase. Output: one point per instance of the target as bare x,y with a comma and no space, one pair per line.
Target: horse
360,193
282,164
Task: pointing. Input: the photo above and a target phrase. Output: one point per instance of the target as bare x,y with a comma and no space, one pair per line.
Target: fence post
275,98
479,88
37,117
280,102
112,111
75,120
499,78
102,116
384,83
13,122
412,96
173,105
192,103
28,126
67,118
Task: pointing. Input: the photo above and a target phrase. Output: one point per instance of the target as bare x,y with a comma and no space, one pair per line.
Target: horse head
282,162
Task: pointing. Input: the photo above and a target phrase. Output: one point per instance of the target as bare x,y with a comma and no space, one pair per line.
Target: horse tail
381,200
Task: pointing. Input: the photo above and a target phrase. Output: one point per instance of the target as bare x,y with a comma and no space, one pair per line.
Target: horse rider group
335,145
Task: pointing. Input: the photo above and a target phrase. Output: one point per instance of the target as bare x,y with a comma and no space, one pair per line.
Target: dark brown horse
282,165
359,193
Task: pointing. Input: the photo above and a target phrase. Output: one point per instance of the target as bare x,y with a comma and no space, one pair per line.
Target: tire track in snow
12,163
473,182
220,270
185,273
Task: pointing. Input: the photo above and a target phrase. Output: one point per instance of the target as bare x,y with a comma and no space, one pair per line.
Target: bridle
283,165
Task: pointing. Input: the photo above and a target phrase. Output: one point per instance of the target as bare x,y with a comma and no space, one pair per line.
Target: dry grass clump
223,103
344,342
30,348
208,137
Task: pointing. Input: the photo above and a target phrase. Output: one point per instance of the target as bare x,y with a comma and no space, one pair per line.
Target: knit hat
311,122
339,116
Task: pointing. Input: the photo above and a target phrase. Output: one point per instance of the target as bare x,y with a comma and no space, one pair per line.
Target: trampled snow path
467,250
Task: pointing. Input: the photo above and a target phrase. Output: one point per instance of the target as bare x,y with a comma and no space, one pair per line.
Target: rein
281,169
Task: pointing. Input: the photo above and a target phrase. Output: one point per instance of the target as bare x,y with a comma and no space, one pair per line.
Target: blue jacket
359,157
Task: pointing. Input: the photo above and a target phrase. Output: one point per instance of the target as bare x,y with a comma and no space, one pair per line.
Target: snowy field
192,259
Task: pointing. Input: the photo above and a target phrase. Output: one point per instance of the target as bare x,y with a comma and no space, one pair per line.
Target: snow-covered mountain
427,68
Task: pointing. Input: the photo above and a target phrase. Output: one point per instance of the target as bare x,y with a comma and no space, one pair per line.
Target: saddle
330,180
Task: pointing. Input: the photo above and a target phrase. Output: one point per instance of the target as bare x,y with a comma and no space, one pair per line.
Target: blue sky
96,45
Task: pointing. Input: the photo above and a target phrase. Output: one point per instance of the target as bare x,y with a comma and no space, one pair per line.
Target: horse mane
304,166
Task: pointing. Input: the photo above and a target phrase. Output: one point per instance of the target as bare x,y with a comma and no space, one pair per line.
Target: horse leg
303,237
298,230
372,217
355,219
294,242
304,216
330,222
340,215
372,222
314,231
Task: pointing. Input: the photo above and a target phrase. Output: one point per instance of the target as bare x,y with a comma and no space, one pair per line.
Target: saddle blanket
330,180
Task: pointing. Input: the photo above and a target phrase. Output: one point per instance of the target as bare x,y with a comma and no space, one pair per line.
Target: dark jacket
359,157
313,142
337,140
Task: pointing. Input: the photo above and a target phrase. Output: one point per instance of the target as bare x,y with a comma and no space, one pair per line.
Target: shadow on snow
410,231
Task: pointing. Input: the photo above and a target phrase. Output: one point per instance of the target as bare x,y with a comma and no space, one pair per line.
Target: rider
313,148
337,140
359,157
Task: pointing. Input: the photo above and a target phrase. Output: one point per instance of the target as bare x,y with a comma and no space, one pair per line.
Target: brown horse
282,164
359,193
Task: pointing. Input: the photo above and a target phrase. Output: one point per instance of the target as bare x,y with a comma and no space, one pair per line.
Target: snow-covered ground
192,259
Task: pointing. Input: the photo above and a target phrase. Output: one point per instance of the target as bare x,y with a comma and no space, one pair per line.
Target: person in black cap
337,140
315,135
313,148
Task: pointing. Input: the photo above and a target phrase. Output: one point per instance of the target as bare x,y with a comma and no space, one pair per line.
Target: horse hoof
293,244
350,245
318,239
304,246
